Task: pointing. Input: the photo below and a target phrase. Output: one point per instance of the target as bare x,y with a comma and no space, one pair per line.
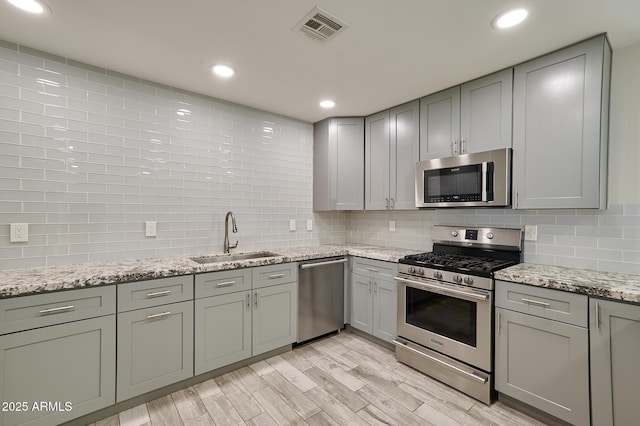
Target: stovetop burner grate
456,262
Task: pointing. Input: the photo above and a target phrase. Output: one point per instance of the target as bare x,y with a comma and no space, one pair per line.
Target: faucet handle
233,246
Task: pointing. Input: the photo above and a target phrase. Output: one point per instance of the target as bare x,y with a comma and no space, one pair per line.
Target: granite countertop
609,285
20,282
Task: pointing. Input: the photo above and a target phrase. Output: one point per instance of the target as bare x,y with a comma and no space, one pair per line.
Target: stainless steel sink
232,257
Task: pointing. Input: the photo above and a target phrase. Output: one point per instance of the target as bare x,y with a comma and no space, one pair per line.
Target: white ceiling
392,51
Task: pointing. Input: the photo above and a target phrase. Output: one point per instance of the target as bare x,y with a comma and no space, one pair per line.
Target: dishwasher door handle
329,262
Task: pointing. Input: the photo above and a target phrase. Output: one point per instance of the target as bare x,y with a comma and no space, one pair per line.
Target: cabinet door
404,153
155,348
615,345
222,330
485,113
70,363
361,305
385,309
440,124
559,142
338,164
377,161
543,363
275,317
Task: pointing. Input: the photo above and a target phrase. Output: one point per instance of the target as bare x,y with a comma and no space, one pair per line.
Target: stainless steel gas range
445,305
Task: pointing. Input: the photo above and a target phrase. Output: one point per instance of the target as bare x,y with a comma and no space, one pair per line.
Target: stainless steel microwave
481,179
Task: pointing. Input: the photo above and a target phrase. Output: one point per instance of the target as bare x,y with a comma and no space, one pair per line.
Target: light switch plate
150,229
292,225
309,225
392,225
19,233
531,232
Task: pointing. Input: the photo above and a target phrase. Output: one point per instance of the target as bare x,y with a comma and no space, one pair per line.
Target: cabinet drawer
265,276
374,268
145,294
24,313
557,305
223,282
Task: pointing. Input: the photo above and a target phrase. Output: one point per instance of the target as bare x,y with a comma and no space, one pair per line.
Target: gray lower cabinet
155,344
615,376
560,128
338,164
540,360
374,300
243,313
65,368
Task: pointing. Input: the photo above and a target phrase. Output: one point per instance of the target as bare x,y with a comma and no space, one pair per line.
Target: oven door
451,319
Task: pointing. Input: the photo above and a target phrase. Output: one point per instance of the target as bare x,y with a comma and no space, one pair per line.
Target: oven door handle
445,290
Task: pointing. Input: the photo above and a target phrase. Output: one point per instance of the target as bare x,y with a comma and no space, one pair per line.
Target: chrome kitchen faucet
226,231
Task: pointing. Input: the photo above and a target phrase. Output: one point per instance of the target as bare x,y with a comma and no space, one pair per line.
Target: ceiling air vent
320,25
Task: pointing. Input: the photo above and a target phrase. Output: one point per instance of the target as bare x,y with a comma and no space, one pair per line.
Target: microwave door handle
485,170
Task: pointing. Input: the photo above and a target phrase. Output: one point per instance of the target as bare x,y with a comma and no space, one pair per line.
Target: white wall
607,240
87,156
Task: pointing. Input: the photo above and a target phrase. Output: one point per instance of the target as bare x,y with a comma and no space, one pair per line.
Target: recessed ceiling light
31,6
510,18
327,103
223,71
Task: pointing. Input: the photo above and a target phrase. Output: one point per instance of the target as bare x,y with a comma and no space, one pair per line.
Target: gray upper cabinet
440,124
473,117
560,126
392,147
615,344
338,164
485,113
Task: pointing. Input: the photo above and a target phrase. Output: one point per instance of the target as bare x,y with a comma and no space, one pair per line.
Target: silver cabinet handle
499,321
159,293
255,299
454,147
59,310
163,314
446,364
375,287
386,203
274,276
597,315
463,146
329,262
535,302
393,204
369,285
371,269
248,300
225,284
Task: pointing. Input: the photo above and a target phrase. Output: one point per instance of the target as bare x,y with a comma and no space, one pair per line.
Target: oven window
444,315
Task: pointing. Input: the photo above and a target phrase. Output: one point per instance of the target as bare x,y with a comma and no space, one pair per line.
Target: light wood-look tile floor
340,380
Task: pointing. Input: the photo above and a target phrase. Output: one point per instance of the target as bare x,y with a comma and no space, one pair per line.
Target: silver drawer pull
162,314
535,302
159,293
274,276
225,284
59,310
371,269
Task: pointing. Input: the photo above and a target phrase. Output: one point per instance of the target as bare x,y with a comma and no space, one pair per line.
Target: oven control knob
437,275
457,278
468,280
412,270
454,233
420,271
490,235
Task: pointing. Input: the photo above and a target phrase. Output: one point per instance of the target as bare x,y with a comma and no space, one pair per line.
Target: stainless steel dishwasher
320,297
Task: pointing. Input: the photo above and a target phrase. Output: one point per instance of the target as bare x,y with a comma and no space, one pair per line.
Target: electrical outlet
19,233
309,225
392,225
150,229
531,232
292,225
